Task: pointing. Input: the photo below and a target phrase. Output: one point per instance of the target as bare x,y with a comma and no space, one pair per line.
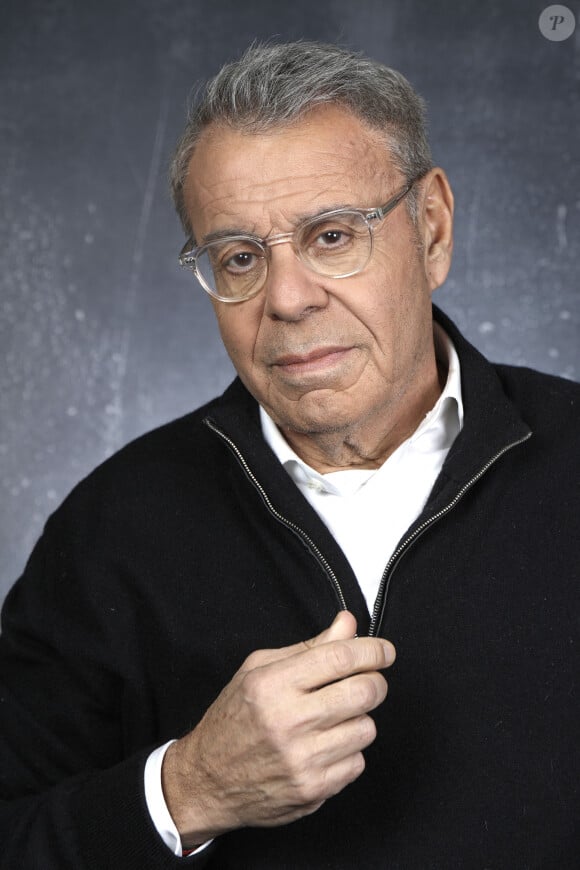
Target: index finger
316,667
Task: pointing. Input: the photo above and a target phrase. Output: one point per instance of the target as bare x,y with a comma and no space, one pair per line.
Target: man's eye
328,238
240,261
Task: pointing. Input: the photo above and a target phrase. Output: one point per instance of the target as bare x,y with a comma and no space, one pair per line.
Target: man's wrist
158,809
175,783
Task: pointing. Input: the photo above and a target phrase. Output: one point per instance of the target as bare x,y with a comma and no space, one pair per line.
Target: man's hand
283,736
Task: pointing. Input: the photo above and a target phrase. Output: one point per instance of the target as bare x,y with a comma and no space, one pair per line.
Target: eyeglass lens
335,246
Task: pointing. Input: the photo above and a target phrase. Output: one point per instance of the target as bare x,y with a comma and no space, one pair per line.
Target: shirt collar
437,430
444,421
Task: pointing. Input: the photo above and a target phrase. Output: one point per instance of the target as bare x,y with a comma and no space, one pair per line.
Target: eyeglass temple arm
184,259
383,210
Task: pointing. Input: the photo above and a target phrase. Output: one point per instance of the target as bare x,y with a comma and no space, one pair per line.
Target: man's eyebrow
224,233
227,232
312,215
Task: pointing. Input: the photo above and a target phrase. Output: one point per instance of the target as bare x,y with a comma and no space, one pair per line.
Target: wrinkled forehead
327,159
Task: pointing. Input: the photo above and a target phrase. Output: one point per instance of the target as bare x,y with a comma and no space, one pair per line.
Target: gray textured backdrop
101,335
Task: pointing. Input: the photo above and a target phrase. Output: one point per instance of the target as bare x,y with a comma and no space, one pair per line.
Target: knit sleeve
71,767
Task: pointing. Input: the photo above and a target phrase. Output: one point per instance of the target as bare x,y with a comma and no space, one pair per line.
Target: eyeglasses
336,244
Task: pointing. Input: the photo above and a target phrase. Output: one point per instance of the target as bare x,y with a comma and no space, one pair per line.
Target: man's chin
320,412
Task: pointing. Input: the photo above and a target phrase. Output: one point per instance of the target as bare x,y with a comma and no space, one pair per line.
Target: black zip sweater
192,547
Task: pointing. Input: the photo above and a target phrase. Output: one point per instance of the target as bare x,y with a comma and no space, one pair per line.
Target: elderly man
193,663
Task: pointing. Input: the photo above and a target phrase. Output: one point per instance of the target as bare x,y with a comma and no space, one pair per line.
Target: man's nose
292,290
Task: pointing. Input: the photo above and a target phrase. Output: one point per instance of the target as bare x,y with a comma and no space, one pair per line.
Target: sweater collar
491,425
491,421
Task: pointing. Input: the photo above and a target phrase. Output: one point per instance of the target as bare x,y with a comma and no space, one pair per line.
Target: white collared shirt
367,511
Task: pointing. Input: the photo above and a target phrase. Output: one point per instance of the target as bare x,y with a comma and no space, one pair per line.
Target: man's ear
436,223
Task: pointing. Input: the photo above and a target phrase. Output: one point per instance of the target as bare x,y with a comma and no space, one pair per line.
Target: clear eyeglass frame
372,217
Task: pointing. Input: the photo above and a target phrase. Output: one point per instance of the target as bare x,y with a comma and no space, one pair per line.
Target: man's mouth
314,360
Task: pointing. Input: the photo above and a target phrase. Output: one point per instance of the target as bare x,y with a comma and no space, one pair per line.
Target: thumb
343,627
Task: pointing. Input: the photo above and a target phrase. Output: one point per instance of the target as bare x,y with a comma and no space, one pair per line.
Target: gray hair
274,85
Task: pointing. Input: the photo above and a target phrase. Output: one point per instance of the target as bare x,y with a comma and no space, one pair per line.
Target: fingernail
390,652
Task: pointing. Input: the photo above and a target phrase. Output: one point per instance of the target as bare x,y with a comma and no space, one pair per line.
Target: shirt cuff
160,815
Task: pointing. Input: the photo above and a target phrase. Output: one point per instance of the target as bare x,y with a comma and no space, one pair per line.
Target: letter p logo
557,23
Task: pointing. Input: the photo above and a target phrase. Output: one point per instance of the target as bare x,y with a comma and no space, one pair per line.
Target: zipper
280,517
379,608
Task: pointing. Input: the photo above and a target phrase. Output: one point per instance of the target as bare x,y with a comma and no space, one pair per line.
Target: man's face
319,354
